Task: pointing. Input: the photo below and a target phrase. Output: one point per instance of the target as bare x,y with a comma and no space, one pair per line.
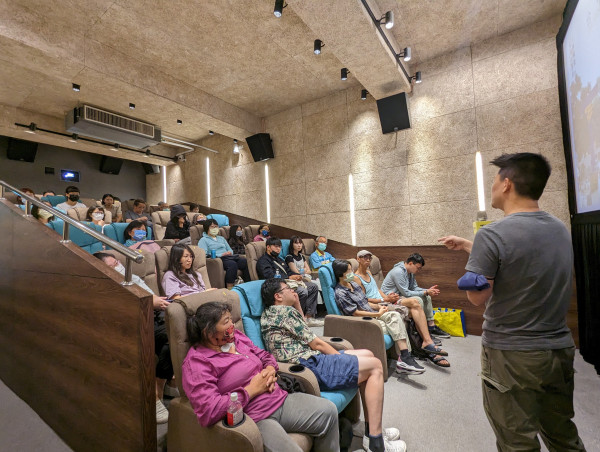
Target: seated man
320,256
352,301
406,306
288,338
163,206
139,206
401,279
72,194
270,265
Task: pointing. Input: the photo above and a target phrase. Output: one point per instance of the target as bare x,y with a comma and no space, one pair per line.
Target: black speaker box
393,113
260,146
21,150
110,165
151,169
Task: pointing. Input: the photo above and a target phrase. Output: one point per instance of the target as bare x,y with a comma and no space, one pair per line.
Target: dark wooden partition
74,344
442,267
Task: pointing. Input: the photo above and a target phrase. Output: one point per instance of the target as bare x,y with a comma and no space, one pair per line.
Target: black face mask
274,254
74,198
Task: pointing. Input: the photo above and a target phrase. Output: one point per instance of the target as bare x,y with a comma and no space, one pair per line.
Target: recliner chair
162,265
160,219
80,213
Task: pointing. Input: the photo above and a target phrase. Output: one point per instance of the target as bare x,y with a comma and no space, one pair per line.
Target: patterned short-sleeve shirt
286,334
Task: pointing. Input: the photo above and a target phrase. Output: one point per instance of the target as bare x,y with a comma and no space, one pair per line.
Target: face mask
229,333
98,216
120,268
44,214
322,246
274,254
238,233
74,198
139,234
265,233
350,277
213,231
166,210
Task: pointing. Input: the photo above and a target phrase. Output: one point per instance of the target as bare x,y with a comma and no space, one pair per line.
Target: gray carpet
437,411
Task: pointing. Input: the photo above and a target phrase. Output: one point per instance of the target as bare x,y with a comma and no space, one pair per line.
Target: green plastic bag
452,321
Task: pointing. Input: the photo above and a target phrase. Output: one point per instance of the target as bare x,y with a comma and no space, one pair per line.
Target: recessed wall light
131,106
76,87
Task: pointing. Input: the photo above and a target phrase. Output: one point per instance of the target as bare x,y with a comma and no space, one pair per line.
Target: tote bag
452,321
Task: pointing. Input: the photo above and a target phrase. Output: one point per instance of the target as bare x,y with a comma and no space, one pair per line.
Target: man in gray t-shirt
527,348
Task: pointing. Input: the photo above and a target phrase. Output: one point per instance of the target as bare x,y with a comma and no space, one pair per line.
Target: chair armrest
216,273
305,376
165,242
336,343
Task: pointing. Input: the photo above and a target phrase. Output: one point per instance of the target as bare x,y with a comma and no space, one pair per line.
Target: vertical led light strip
207,182
164,184
267,192
352,220
480,192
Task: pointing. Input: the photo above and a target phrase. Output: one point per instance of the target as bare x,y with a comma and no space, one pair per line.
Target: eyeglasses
284,288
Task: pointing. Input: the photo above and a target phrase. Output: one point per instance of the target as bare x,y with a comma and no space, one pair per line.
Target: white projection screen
578,44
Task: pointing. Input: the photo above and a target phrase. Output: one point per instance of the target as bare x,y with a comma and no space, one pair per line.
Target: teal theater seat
77,236
222,220
116,231
54,200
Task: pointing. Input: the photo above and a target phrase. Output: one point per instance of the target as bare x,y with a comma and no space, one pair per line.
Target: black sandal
437,361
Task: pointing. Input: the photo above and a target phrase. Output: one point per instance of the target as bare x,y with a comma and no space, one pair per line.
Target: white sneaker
409,366
393,446
162,414
389,434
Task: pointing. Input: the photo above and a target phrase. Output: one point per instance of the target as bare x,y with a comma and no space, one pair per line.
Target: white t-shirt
64,206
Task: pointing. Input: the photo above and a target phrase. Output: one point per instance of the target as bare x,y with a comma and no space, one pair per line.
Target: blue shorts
333,371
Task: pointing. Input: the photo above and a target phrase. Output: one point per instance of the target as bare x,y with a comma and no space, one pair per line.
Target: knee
412,303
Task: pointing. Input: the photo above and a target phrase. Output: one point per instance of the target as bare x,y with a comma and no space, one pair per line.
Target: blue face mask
139,234
265,233
322,246
238,233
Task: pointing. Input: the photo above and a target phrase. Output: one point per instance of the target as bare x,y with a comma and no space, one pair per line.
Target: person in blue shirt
211,240
320,256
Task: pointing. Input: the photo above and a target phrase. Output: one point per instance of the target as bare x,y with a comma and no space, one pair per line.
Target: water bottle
235,412
277,274
300,268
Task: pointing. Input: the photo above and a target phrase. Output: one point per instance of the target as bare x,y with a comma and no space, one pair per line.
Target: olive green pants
530,392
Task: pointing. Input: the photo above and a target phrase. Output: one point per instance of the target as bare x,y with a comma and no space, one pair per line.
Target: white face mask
120,268
98,216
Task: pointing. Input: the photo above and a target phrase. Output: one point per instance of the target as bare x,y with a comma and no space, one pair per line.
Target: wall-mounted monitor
69,175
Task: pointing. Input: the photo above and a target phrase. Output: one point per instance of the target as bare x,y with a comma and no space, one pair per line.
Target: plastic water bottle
235,412
301,268
277,274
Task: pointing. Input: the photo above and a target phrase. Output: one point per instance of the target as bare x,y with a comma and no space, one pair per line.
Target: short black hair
49,191
416,258
268,290
100,255
138,201
273,241
339,266
527,171
71,189
204,323
131,226
107,195
206,224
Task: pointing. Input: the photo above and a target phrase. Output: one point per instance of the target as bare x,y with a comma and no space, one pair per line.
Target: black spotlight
211,133
318,45
76,87
179,121
344,73
363,94
131,106
278,8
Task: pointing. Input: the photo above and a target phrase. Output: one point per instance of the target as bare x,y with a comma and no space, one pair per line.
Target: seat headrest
251,307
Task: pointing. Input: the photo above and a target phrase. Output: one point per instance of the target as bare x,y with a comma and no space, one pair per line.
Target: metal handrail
131,256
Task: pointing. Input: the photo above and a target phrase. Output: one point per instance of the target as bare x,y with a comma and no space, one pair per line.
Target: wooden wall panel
74,344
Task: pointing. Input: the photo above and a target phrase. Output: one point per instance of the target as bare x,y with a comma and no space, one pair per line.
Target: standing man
319,256
527,349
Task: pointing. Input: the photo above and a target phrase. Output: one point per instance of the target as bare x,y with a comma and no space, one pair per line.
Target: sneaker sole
410,371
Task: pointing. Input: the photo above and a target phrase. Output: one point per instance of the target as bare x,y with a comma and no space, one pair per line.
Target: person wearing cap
406,306
320,256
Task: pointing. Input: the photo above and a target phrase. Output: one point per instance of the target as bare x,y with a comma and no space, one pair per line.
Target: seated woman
95,215
198,217
212,371
108,201
179,226
181,279
295,260
264,233
42,215
136,237
212,241
236,239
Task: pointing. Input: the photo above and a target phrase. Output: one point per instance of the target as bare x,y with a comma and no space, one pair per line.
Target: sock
366,428
404,354
376,443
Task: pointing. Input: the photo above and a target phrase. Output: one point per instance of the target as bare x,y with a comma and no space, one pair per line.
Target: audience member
108,201
212,241
236,239
48,193
295,260
164,367
28,192
139,206
178,228
212,370
136,237
95,214
352,301
72,194
320,256
270,265
289,339
263,233
181,279
42,215
406,306
401,279
527,351
198,217
163,206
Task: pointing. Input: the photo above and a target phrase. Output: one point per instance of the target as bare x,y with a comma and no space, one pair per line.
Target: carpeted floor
438,411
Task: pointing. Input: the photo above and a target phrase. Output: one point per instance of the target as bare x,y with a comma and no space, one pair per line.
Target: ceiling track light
131,106
345,73
76,87
31,128
115,147
363,94
74,138
148,153
417,77
318,46
406,54
278,9
387,19
211,133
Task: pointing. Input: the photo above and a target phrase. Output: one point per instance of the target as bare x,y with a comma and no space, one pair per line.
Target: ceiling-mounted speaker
110,165
260,146
393,113
151,169
21,150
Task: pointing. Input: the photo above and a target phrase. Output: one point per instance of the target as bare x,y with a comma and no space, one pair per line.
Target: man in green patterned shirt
289,339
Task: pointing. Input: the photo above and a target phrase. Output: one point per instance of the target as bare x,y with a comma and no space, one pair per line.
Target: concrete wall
497,96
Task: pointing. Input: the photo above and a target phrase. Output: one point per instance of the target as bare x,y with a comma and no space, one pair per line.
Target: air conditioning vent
91,121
